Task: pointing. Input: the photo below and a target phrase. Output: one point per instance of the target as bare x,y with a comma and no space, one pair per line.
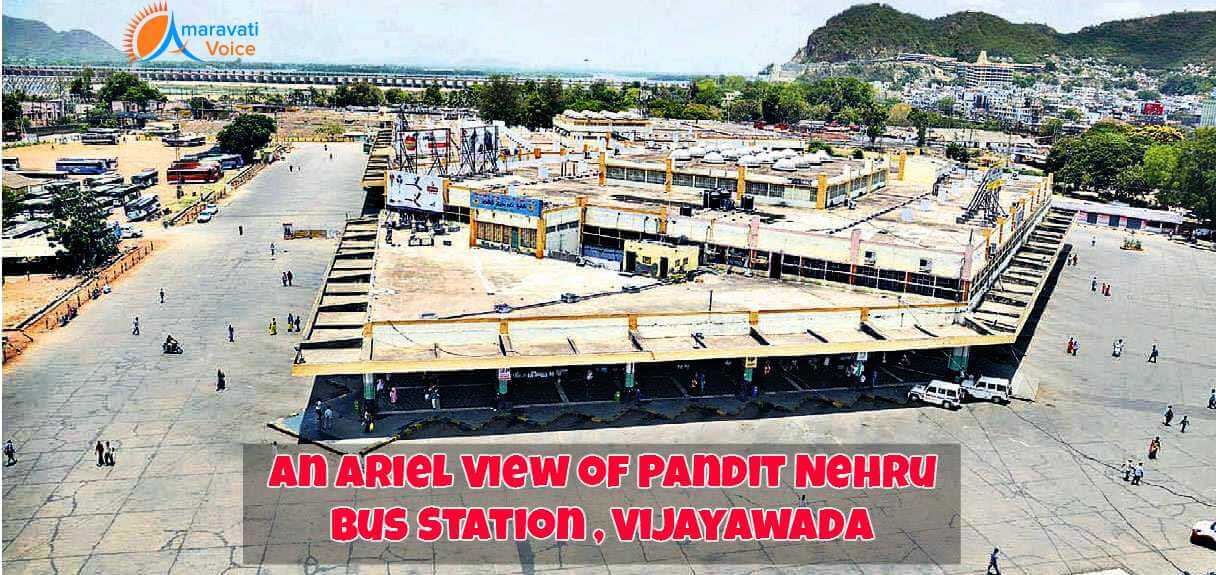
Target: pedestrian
1182,424
1153,447
1076,345
162,295
297,323
272,249
1152,355
1212,400
993,568
331,155
240,230
1117,348
220,384
1169,414
1127,469
368,424
392,396
379,389
10,453
1093,284
109,458
317,409
290,322
290,277
328,422
274,326
1093,240
231,334
1138,473
135,326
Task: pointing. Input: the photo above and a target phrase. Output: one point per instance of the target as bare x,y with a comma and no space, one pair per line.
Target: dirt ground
23,296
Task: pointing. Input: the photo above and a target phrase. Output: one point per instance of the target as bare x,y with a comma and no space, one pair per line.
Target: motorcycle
172,348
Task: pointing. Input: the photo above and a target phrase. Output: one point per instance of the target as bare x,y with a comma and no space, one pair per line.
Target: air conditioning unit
926,266
871,259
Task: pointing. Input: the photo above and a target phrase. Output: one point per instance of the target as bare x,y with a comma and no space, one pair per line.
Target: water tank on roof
681,155
696,151
785,165
749,160
713,158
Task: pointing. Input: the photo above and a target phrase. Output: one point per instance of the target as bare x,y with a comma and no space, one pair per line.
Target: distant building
44,113
984,72
1207,114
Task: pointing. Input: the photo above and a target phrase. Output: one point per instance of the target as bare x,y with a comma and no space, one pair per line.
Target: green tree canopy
127,87
1195,176
246,133
80,228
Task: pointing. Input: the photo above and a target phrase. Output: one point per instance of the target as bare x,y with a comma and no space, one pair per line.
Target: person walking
1169,414
1138,473
1153,447
10,453
1128,467
135,326
231,334
290,322
1212,399
328,421
290,278
101,454
272,249
1076,346
993,568
1182,424
1093,240
1093,284
240,230
297,323
318,410
1152,355
220,383
109,456
392,396
162,295
274,326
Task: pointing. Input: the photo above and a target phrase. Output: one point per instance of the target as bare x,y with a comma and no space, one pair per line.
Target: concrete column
741,183
540,237
903,161
667,180
603,167
821,197
472,227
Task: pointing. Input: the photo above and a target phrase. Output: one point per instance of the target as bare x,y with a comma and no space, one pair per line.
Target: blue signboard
504,203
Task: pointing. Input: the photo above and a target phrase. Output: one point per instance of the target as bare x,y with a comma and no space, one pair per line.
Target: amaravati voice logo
155,30
151,32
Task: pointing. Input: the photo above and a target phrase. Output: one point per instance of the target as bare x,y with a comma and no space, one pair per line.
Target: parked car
939,393
129,232
1204,534
994,389
209,211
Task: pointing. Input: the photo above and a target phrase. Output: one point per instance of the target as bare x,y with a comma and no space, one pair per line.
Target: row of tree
1141,164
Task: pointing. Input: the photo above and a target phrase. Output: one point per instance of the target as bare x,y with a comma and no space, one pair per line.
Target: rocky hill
877,30
33,41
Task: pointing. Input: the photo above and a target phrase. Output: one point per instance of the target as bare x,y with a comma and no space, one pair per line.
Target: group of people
287,278
1073,345
293,323
325,415
105,454
1104,287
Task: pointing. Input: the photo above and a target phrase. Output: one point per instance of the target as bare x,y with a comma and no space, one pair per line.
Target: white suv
992,389
937,392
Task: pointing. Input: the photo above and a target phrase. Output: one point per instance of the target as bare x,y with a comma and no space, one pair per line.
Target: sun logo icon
151,32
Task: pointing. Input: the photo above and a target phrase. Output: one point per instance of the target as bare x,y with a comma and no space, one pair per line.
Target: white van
994,389
937,392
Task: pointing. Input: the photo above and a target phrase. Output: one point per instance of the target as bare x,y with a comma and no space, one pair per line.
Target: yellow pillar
903,161
446,183
667,179
1000,230
741,183
472,228
821,197
540,237
603,167
987,241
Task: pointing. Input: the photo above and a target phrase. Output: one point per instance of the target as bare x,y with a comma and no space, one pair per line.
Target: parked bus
146,178
44,174
125,195
184,140
12,163
98,136
230,161
82,165
143,207
193,173
105,179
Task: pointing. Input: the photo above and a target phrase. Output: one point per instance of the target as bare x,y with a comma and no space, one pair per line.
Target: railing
1000,260
53,315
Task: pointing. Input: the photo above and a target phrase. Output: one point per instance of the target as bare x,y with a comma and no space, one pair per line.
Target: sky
668,36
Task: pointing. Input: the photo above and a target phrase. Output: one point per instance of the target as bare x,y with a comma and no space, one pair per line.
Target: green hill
32,41
877,30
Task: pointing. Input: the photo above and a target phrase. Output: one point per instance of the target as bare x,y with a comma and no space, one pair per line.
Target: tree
1148,95
197,105
80,228
1051,127
1095,159
499,100
957,152
697,111
82,84
432,96
1071,114
898,115
742,110
245,134
921,121
1195,176
946,106
874,117
395,96
1160,166
13,200
358,94
127,87
13,120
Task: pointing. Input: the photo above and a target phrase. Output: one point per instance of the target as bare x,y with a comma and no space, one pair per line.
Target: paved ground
172,503
1039,478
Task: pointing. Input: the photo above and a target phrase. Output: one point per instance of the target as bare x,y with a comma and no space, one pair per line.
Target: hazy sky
690,36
